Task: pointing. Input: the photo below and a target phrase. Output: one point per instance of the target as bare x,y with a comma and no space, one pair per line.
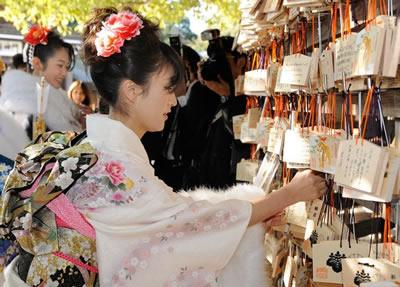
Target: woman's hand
307,185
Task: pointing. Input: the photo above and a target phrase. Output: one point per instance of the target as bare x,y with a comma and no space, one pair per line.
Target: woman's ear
37,66
130,91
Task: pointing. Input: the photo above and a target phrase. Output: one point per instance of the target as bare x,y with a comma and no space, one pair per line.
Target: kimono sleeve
164,239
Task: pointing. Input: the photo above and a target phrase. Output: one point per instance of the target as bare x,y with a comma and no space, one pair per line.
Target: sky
196,25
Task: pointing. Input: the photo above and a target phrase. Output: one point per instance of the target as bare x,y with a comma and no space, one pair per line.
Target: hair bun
94,25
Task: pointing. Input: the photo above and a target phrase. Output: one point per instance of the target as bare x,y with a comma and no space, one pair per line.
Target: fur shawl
13,136
19,96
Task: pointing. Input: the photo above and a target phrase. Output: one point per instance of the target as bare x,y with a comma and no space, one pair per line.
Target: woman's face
77,95
151,109
56,68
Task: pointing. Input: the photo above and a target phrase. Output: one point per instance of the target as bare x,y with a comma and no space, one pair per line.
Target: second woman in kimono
50,57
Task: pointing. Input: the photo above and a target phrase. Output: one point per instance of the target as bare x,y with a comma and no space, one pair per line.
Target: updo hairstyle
46,51
139,58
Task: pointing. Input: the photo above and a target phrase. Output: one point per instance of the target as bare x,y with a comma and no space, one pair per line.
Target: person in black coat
176,152
222,152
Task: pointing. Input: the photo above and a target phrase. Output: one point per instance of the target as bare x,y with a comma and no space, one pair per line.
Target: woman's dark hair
192,57
86,92
18,61
54,43
139,58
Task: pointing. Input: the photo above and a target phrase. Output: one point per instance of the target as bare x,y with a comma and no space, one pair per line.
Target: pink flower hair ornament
116,29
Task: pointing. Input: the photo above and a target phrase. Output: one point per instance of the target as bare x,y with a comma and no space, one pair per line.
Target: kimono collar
114,135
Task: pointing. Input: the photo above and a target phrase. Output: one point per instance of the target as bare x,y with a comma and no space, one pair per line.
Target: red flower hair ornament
37,35
116,29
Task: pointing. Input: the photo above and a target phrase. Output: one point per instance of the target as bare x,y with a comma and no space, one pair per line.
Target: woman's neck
128,121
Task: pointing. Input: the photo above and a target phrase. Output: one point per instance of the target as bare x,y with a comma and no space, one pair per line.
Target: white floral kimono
147,235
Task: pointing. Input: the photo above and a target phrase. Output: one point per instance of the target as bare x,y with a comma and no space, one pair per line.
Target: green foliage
184,30
69,15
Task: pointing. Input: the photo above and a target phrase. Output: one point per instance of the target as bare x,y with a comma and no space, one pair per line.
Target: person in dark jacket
222,152
176,152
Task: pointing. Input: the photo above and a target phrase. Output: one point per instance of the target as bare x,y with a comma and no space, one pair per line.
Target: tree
70,15
184,29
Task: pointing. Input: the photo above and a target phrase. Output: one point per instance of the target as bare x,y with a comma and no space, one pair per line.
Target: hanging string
313,109
313,32
382,7
331,112
346,21
381,119
346,121
294,42
266,58
349,111
282,47
253,151
304,36
255,62
333,22
371,12
365,114
267,109
387,232
274,51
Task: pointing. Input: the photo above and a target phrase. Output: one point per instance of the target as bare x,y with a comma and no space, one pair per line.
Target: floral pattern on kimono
43,171
8,248
106,184
54,270
161,243
153,237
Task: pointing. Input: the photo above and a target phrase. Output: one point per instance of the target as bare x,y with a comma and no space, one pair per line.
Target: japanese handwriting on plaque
296,70
361,166
345,51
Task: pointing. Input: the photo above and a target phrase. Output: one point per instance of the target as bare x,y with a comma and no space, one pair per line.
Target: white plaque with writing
369,45
297,147
345,51
281,87
296,70
360,165
326,69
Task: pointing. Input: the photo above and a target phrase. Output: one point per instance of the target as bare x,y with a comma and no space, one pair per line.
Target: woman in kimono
49,57
145,234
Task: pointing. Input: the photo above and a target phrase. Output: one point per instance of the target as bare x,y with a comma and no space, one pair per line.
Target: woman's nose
173,100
